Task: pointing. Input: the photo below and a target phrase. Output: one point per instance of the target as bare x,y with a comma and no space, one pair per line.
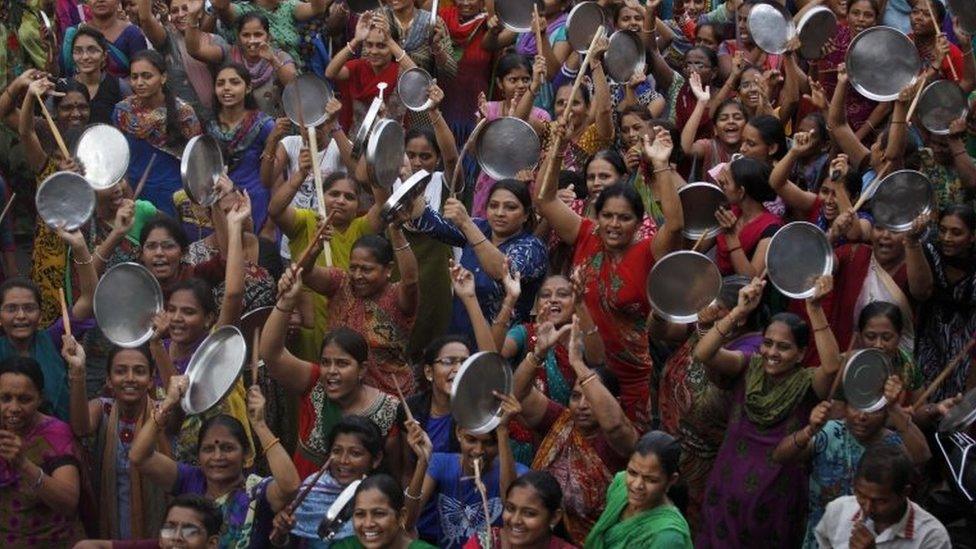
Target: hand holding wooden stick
872,187
945,373
297,502
54,128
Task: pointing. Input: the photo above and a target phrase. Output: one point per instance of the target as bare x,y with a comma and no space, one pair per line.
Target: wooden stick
938,31
297,502
872,187
399,391
699,241
144,178
945,373
312,243
538,30
918,95
54,128
6,208
582,71
484,498
255,345
836,383
468,145
65,317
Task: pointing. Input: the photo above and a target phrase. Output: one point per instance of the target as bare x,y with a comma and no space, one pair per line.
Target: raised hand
893,388
435,94
455,212
750,296
510,408
177,388
160,322
817,97
240,212
547,336
658,151
462,281
512,282
819,416
255,405
803,142
823,285
419,441
73,353
702,94
290,284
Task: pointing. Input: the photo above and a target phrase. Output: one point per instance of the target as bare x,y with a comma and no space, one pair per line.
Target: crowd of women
624,428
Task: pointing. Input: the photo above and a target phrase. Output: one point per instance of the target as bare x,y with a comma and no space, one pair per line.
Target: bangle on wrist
718,328
480,242
401,56
591,331
590,377
737,248
408,495
91,259
270,445
99,256
401,248
37,483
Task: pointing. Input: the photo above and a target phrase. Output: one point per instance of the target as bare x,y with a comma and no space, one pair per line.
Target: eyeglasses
90,50
184,531
165,245
27,308
450,360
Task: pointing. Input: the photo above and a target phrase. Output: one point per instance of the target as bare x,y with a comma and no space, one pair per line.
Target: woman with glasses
90,54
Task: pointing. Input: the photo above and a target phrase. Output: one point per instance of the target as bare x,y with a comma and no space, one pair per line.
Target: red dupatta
853,262
360,87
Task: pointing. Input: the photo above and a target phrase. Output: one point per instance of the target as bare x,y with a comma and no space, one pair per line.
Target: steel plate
201,166
941,102
362,133
965,10
624,56
507,146
104,154
404,195
304,100
516,15
583,22
384,153
473,405
770,27
126,299
699,202
900,198
65,198
797,255
864,378
962,415
683,283
412,87
881,61
339,512
213,369
815,29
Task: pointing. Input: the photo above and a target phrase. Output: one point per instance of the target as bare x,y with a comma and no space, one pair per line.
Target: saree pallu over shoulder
662,527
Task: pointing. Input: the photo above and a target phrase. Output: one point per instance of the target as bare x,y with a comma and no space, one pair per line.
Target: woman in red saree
614,267
586,442
747,227
381,61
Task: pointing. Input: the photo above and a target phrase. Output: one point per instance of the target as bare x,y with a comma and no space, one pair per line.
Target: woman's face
920,20
188,321
478,447
889,247
555,300
110,198
251,37
367,276
421,155
188,523
778,350
750,93
694,8
753,145
647,482
579,406
706,37
515,83
442,372
161,254
506,214
600,174
578,109
376,523
350,459
861,16
697,62
396,5
88,55
729,125
864,425
20,313
469,8
74,110
630,19
103,9
955,237
376,50
221,455
341,372
633,129
146,80
742,24
342,201
525,519
879,333
130,376
178,12
19,402
828,194
618,223
230,87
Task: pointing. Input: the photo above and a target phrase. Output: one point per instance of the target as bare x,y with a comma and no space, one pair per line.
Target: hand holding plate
74,238
919,224
819,416
821,288
893,388
510,407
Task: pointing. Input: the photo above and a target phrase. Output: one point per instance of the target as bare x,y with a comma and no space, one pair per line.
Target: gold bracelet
99,256
718,328
406,492
89,262
271,445
587,379
401,248
480,242
400,58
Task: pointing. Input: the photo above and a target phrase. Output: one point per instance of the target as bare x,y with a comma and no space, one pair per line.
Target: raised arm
512,282
496,35
199,47
840,130
233,301
279,207
690,130
462,281
84,415
920,280
285,479
408,293
442,132
271,167
795,198
506,460
34,152
336,70
823,337
561,217
602,107
87,277
285,368
722,364
304,11
490,258
796,445
901,419
151,26
658,155
160,469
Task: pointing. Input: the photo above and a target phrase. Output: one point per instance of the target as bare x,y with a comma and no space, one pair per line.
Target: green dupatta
661,527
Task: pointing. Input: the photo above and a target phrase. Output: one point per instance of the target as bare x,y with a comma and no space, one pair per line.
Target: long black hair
174,132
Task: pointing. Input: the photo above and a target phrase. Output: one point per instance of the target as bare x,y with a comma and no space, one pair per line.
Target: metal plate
339,512
507,146
516,15
815,29
683,283
864,378
404,195
213,369
104,153
65,198
304,100
699,202
624,56
770,27
126,299
901,197
881,61
413,87
384,153
362,6
362,133
583,22
965,10
200,167
941,102
473,405
962,415
797,255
